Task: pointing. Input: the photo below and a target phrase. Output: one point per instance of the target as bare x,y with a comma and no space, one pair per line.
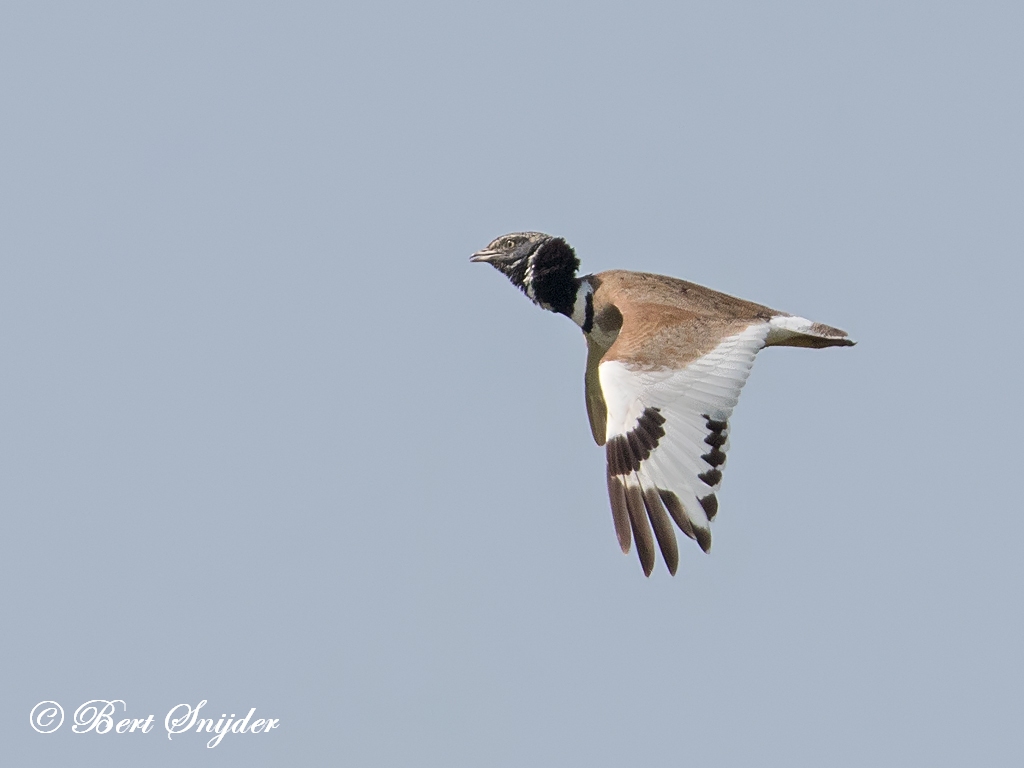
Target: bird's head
542,266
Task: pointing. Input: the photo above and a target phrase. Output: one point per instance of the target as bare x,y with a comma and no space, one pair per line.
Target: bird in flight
666,362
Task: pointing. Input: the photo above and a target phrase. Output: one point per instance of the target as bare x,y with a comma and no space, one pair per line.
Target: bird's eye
510,243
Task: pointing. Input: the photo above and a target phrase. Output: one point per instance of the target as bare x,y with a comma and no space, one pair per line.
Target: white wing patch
667,435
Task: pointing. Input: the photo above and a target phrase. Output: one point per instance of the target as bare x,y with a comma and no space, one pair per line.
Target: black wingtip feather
675,508
662,529
703,538
641,528
710,504
620,512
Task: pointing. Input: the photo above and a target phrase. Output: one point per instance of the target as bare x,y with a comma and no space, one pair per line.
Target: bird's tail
789,331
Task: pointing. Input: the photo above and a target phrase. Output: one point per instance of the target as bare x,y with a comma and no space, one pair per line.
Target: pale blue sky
268,439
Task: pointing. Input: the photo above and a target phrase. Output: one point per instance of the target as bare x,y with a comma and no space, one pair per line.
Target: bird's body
666,362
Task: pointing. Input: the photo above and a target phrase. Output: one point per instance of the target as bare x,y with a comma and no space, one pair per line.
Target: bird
666,360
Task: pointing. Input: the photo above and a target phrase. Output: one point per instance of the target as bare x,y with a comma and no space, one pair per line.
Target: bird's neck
583,305
549,279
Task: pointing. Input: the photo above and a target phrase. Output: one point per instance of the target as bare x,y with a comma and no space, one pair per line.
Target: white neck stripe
579,308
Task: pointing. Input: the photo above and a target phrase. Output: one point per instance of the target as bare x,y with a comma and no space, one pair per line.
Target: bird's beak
484,255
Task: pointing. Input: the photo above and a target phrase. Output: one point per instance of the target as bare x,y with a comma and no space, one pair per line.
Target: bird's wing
666,437
597,413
